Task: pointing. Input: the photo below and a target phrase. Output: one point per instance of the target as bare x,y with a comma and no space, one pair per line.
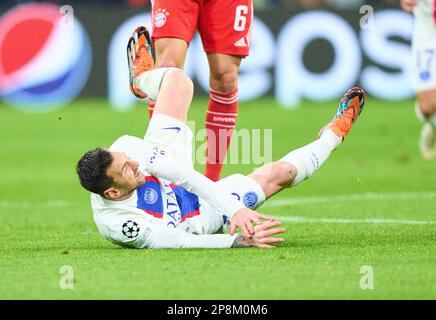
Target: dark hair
91,170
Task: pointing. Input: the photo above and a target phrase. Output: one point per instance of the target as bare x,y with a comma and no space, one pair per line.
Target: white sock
418,113
432,120
149,82
309,158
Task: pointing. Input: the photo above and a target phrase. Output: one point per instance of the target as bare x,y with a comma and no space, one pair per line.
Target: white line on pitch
30,204
336,220
353,197
269,203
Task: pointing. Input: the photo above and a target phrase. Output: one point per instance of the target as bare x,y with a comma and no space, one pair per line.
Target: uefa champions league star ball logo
45,57
130,229
160,18
150,196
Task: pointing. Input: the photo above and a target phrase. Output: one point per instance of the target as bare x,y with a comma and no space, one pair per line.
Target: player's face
126,174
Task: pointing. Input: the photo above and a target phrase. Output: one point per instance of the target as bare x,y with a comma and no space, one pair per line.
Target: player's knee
283,173
275,175
182,83
226,81
427,105
168,62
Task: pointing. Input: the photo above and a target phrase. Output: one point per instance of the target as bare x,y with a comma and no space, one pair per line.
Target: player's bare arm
408,5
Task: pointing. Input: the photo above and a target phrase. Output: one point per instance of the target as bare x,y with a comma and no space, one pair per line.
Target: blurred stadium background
297,48
372,204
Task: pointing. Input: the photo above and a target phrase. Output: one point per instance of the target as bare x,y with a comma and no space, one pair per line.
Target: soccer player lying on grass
146,193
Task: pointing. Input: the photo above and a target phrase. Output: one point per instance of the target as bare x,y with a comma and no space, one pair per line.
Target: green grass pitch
364,207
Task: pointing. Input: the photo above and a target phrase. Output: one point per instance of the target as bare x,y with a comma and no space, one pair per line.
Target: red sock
151,104
220,122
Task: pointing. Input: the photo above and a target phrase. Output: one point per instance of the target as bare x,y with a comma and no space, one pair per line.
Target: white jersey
158,214
424,45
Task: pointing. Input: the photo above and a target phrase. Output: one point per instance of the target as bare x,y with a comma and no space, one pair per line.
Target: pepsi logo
44,63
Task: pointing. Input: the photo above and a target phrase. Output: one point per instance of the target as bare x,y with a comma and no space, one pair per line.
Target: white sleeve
135,231
166,238
211,192
170,158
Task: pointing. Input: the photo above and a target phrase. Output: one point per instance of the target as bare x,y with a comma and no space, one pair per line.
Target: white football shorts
243,188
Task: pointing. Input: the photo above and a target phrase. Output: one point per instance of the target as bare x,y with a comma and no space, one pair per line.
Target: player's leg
426,112
170,52
302,163
424,64
225,29
172,90
169,87
222,110
174,25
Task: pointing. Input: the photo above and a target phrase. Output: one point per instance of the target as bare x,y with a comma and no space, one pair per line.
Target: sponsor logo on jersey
241,43
146,194
130,229
237,196
45,57
250,199
167,201
173,215
150,196
156,151
160,17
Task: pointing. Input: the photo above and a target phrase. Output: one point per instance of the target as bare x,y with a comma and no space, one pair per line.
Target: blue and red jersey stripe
150,199
188,202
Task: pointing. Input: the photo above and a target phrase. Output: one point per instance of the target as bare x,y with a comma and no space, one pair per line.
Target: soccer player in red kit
225,30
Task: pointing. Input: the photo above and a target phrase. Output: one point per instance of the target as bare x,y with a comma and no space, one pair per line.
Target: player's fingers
244,226
246,233
270,232
267,225
271,240
233,228
265,217
250,228
245,222
255,220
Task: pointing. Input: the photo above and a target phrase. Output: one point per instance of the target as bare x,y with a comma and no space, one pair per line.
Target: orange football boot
350,107
139,57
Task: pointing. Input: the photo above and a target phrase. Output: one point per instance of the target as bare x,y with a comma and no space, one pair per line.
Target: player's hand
408,5
243,219
262,237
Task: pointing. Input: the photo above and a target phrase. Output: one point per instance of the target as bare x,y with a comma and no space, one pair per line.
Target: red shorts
224,25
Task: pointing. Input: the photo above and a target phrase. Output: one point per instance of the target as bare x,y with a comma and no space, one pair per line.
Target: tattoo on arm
240,242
